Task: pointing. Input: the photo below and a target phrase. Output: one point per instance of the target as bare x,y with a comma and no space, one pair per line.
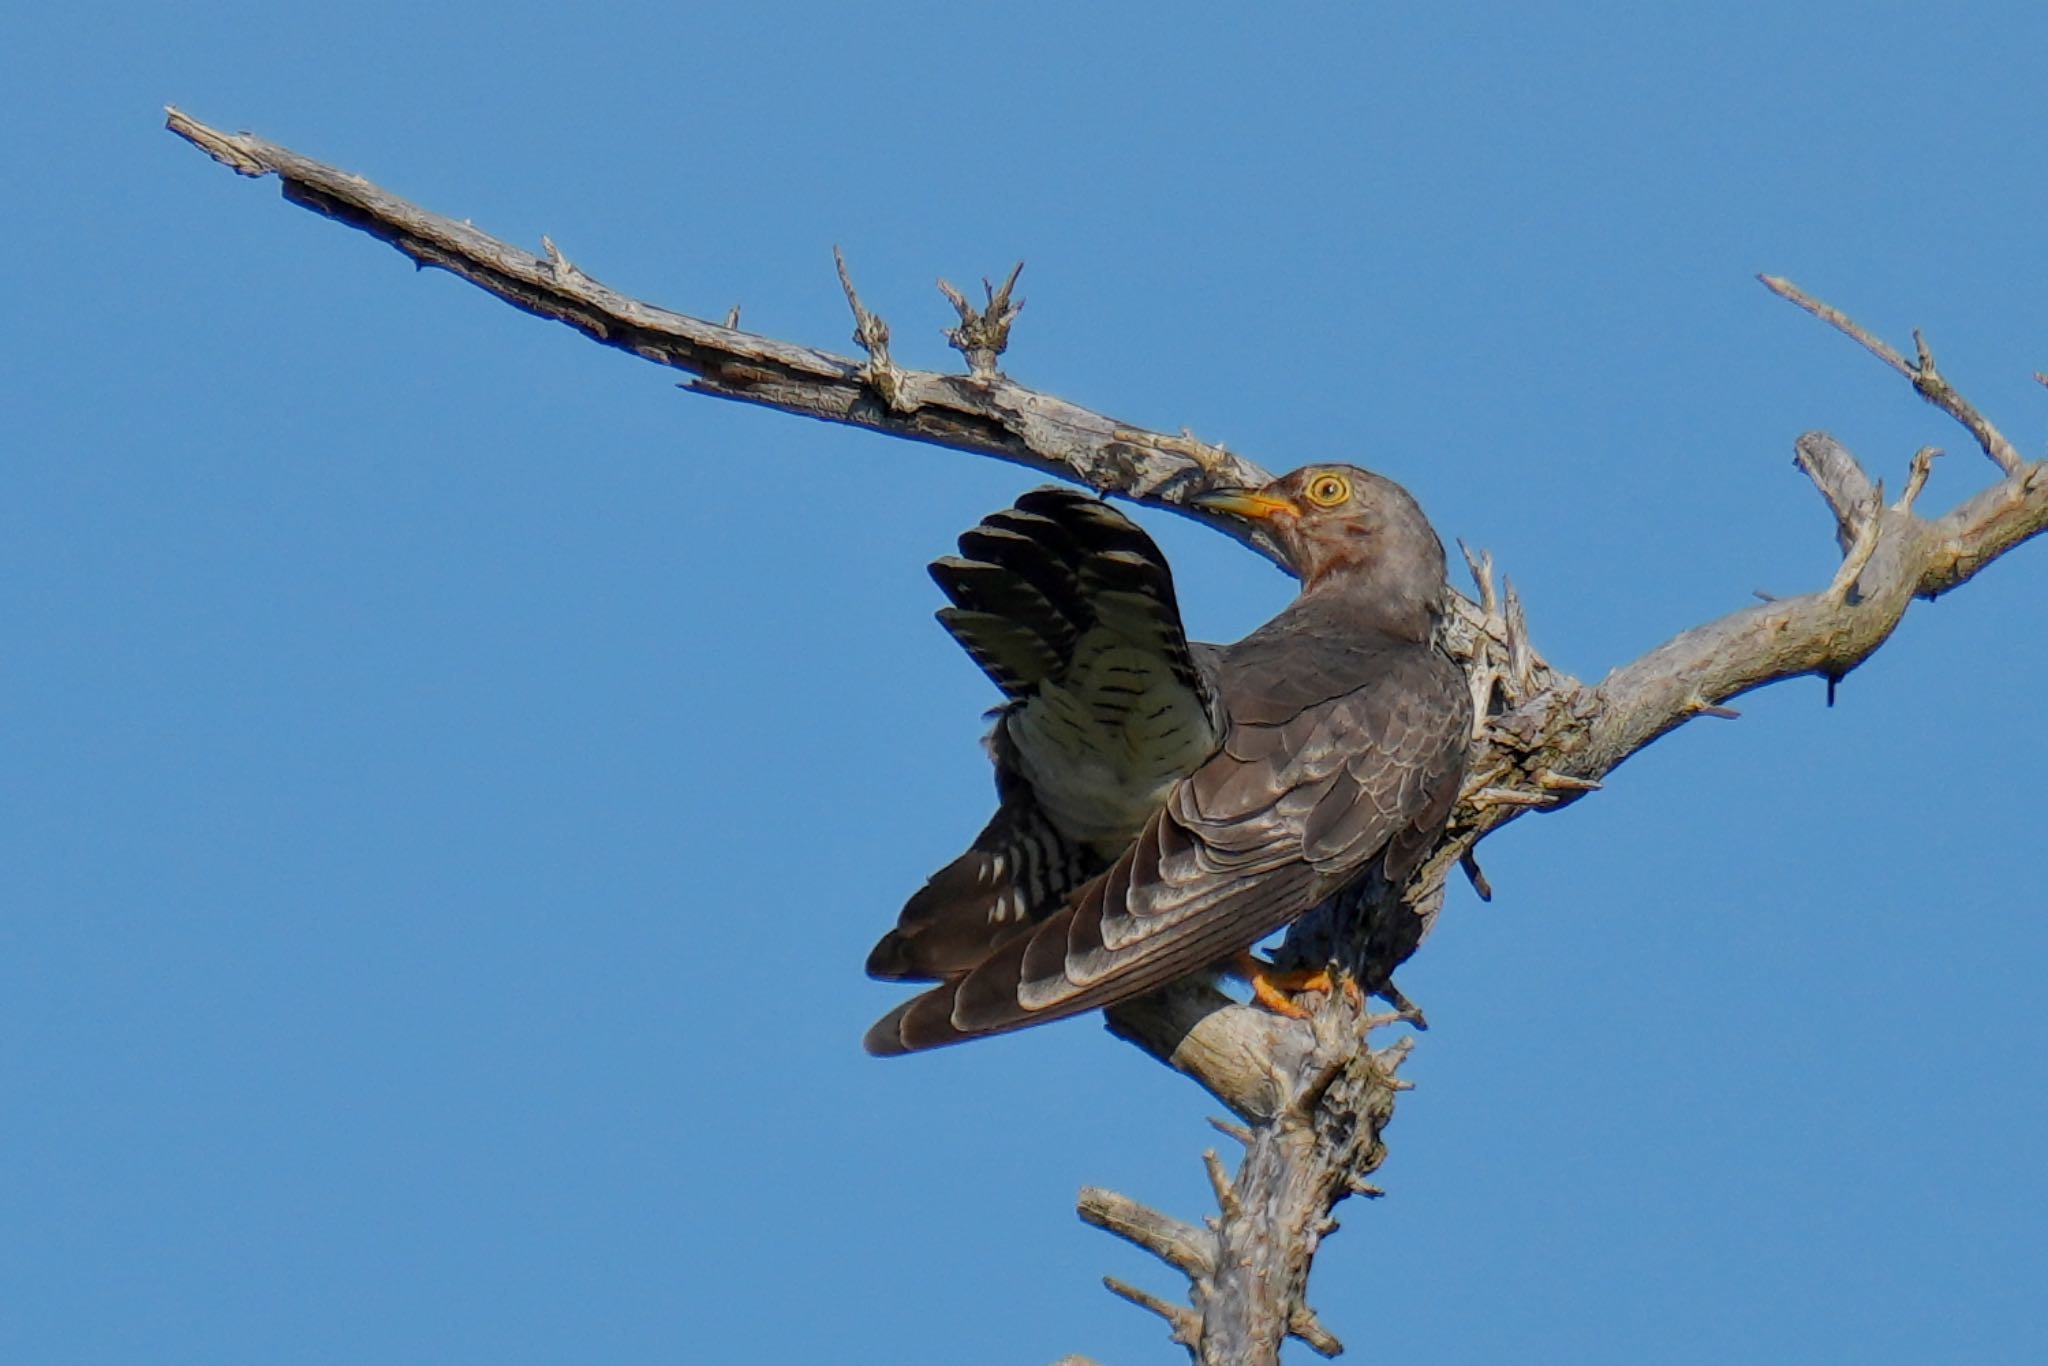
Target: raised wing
1343,755
1069,608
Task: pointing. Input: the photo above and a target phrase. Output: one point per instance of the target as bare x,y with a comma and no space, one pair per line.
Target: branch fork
1926,379
983,334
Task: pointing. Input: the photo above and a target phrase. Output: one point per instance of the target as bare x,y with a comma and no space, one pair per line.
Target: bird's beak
1247,503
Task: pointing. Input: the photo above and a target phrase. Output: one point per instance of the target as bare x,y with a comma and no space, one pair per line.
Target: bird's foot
1276,989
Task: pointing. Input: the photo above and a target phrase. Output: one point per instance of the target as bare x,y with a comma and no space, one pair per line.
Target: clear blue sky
451,777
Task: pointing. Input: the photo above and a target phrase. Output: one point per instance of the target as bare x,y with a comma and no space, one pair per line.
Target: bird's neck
1377,597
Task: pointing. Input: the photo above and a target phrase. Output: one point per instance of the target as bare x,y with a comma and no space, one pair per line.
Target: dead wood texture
1312,1097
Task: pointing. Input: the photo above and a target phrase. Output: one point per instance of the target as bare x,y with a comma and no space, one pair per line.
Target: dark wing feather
1342,756
1069,608
1019,867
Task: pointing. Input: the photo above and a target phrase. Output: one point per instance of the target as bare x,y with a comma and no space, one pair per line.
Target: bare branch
1219,1182
1838,476
1186,1323
1841,322
1540,719
1925,377
1190,1250
1469,862
1916,478
1481,565
871,334
1862,545
1895,556
1228,1048
988,416
1305,1325
1230,1129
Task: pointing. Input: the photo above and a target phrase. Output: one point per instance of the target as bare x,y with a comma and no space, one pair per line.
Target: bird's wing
1069,608
1312,788
1019,867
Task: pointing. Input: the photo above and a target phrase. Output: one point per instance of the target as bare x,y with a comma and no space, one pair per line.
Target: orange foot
1274,989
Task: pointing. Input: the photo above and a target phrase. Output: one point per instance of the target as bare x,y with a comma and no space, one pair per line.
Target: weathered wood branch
1921,373
982,412
1313,1094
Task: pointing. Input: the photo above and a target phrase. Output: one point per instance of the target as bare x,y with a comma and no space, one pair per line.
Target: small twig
562,266
1937,390
1869,525
1480,563
1838,320
1182,1246
1476,875
732,318
871,334
1699,706
1393,1055
1185,1322
983,334
1230,1129
1304,1324
1916,477
1522,656
1219,1181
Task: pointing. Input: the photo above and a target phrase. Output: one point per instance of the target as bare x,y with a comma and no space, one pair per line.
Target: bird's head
1338,521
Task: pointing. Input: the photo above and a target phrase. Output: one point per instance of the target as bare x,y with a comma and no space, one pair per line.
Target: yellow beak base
1257,507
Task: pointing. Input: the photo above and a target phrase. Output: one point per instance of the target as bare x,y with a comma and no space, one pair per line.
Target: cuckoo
1164,805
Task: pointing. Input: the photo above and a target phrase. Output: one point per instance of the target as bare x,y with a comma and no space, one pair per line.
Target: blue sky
452,778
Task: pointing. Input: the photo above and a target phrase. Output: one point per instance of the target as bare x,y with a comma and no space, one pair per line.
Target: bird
1164,805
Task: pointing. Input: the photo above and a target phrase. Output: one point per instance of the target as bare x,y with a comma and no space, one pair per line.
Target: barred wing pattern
1069,608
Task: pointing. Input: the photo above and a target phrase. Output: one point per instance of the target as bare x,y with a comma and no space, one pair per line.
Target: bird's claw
1276,989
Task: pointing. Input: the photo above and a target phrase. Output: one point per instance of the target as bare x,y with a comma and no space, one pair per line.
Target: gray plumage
1163,806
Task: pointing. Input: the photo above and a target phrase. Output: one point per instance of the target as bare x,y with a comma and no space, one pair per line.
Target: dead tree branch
1313,1094
1921,373
983,412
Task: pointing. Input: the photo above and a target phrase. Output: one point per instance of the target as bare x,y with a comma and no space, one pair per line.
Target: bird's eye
1328,490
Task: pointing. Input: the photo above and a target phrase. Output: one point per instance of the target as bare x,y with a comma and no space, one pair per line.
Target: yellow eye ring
1328,490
